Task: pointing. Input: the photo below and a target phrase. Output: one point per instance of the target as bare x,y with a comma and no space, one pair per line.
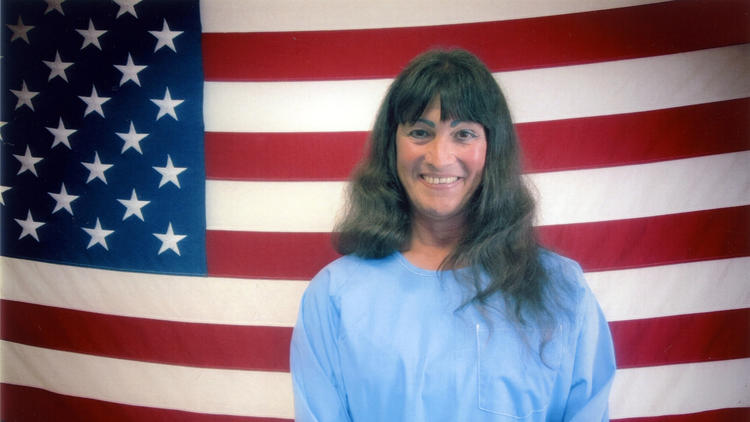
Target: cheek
406,157
475,159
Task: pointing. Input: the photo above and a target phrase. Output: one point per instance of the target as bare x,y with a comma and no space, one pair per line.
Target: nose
440,151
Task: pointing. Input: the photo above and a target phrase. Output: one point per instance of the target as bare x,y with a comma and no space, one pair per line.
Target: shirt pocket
513,381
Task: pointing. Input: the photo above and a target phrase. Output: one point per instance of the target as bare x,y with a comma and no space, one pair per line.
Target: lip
439,181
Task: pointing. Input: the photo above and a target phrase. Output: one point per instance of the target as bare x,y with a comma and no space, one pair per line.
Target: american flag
171,172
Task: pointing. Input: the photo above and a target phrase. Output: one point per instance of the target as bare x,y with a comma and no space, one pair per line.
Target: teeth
439,180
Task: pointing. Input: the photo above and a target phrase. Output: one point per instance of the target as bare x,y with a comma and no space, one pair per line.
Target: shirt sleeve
314,360
594,366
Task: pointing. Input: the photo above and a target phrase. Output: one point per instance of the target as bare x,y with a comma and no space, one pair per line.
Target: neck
432,241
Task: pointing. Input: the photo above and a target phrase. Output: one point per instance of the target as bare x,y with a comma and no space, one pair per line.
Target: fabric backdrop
171,172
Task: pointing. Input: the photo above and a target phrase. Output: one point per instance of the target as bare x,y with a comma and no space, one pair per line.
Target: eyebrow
456,123
427,122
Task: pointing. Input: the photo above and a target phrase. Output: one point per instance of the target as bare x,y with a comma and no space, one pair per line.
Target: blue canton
102,134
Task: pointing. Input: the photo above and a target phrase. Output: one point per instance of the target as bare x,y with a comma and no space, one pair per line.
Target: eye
465,135
419,133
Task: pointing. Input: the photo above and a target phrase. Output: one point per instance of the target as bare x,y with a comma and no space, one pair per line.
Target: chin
441,213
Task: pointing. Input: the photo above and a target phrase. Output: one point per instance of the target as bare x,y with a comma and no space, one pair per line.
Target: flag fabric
171,173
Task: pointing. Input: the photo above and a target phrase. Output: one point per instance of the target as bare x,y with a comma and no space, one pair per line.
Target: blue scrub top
383,340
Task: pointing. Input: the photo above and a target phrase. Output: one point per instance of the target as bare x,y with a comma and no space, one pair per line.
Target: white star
57,68
165,37
54,5
29,226
61,134
2,191
133,206
167,105
127,6
98,235
132,139
169,240
91,36
20,31
63,200
1,134
129,71
27,162
94,102
169,173
96,169
24,96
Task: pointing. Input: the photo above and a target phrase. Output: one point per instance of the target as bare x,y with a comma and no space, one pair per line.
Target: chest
416,358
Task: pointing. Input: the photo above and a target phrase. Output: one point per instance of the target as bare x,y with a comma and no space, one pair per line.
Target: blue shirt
383,340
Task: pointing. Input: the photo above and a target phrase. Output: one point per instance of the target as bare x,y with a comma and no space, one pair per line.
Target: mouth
439,180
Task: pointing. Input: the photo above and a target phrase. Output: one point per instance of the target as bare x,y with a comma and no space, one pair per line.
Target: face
440,163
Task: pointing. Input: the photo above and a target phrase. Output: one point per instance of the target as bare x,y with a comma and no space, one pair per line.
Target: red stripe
282,156
267,254
150,340
607,245
719,415
682,338
28,404
634,138
661,240
639,31
656,341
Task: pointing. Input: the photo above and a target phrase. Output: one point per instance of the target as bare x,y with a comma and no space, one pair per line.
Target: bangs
465,94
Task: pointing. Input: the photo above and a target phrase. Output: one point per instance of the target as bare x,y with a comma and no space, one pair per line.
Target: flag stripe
639,31
678,339
208,300
633,138
720,415
596,89
201,390
268,394
274,16
168,342
694,236
683,388
682,339
712,234
684,185
706,286
35,404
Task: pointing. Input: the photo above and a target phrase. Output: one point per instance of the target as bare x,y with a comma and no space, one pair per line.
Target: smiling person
444,306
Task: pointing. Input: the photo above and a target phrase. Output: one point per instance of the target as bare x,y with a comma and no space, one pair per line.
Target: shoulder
562,271
561,268
350,269
567,282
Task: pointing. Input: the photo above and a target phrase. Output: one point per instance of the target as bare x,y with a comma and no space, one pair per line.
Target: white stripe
678,389
602,194
167,297
309,15
692,387
672,290
202,390
534,95
668,290
613,193
273,206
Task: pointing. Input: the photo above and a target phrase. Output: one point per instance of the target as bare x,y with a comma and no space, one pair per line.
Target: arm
318,387
594,366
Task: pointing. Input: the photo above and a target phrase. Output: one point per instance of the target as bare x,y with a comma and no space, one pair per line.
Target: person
444,306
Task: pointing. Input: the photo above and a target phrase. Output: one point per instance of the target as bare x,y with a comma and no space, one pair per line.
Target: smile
439,180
